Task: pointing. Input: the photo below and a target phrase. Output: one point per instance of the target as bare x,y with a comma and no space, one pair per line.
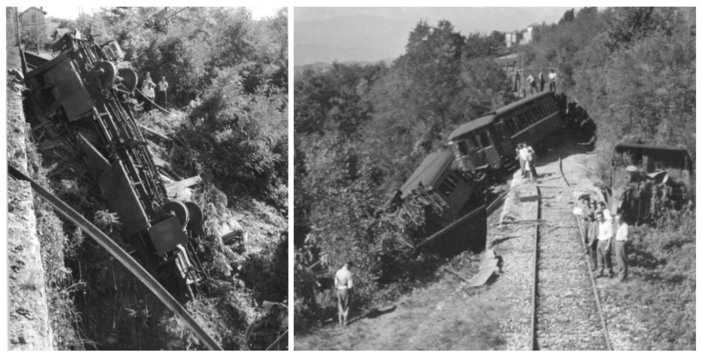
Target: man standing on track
532,83
593,229
552,78
542,81
531,161
620,247
343,281
604,245
522,157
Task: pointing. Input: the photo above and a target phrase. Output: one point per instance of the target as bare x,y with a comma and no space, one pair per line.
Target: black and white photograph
147,187
494,178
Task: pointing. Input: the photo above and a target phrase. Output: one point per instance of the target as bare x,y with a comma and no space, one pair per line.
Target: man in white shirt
552,77
620,247
161,93
604,245
532,83
149,94
522,156
343,281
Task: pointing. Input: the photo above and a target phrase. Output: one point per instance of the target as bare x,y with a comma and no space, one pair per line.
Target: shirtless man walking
343,281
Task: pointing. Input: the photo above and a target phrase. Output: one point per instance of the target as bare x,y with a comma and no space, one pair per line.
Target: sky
71,13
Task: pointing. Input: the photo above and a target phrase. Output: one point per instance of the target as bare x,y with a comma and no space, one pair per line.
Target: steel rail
533,337
594,287
123,257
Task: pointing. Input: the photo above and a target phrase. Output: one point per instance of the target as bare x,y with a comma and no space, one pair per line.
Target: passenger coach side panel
540,130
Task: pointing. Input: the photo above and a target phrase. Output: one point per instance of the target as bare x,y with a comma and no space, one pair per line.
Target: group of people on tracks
527,160
602,238
537,83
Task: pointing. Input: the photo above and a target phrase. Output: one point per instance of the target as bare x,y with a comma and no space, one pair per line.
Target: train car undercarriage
81,101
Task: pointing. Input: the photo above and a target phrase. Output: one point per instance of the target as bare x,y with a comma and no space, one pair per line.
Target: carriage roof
429,172
492,116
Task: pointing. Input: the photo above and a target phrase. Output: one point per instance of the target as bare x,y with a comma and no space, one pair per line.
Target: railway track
566,313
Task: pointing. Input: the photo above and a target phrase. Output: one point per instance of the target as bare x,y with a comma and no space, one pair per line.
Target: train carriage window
552,106
542,110
510,125
513,125
515,119
532,116
537,112
473,142
484,140
522,121
463,147
448,185
478,138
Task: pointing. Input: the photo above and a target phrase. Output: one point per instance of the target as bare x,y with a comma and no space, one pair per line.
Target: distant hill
322,66
372,34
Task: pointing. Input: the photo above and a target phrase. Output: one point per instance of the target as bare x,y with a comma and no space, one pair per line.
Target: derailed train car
446,192
438,199
646,178
82,99
489,142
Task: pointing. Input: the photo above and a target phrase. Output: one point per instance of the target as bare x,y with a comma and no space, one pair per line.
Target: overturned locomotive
81,99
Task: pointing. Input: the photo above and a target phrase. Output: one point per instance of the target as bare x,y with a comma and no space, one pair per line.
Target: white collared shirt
622,232
605,230
523,153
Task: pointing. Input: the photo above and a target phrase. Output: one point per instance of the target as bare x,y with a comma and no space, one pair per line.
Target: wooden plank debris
155,133
185,183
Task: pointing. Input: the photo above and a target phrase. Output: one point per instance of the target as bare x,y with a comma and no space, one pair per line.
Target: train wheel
196,215
180,210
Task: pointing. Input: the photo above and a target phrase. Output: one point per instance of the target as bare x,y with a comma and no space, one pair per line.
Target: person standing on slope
343,281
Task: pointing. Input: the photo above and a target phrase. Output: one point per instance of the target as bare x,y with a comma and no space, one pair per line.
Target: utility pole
36,18
17,28
19,45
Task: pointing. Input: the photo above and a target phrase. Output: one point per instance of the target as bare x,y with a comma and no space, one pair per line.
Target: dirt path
444,316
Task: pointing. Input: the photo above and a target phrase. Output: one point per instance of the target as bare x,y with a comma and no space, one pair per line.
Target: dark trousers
552,86
604,260
541,86
532,169
147,104
592,253
161,98
620,250
533,89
